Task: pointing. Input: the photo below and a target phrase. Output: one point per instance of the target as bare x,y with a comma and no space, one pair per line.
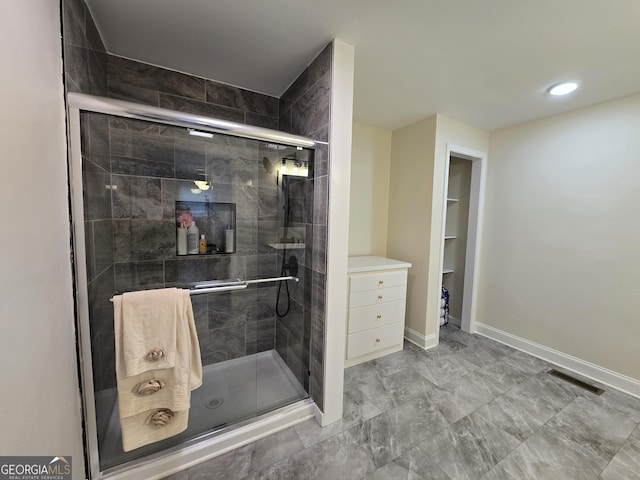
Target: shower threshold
232,391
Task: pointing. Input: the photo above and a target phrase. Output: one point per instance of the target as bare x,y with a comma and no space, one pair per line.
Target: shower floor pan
231,391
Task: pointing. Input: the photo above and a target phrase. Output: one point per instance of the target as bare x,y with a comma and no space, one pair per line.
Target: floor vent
575,381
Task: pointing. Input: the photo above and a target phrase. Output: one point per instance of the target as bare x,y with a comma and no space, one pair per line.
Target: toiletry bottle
229,240
182,240
192,239
202,246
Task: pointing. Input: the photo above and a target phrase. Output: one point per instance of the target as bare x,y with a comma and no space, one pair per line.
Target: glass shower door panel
142,182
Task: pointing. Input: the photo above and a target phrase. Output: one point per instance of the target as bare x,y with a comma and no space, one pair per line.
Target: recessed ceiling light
562,88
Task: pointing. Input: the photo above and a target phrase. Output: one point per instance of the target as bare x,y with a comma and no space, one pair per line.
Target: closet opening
463,192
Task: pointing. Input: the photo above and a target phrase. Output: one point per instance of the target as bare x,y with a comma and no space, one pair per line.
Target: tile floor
470,409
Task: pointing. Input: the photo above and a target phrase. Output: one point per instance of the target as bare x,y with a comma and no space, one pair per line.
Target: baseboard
318,414
594,372
425,342
455,321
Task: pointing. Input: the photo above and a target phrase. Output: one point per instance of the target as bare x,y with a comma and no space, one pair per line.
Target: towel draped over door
157,363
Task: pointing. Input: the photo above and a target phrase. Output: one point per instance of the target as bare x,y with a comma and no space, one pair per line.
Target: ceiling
486,63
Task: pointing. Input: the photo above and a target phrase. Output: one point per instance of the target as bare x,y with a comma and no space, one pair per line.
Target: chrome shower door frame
206,446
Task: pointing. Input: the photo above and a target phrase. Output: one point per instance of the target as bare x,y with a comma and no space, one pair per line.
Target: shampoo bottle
229,240
202,246
182,240
192,239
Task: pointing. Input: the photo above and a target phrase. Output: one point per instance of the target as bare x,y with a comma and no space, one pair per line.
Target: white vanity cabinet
377,300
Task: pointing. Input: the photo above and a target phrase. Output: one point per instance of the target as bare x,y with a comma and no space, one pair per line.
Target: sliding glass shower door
147,187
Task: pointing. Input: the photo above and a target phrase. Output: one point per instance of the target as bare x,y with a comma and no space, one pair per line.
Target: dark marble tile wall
85,70
226,329
99,244
293,328
143,83
305,106
129,239
85,58
130,195
305,110
144,184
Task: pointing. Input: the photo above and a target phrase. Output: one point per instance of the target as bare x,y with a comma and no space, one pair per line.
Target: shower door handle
224,288
217,286
218,283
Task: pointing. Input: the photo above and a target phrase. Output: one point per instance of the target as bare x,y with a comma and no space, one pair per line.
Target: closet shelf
449,237
446,270
452,200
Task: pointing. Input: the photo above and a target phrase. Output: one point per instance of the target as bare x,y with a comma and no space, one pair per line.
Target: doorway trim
474,231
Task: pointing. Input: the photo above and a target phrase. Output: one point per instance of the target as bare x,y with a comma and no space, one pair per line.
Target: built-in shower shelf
210,253
447,270
287,246
215,220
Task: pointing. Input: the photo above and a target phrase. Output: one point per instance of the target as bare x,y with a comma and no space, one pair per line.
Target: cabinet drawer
372,316
374,297
379,338
372,281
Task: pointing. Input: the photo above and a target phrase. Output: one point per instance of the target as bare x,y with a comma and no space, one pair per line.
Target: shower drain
214,403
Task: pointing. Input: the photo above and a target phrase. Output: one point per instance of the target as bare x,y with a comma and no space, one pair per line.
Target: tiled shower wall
85,57
303,109
147,168
85,70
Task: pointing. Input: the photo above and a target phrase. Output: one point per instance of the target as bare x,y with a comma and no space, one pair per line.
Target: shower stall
139,175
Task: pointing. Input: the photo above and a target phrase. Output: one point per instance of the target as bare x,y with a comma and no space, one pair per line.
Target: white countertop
367,263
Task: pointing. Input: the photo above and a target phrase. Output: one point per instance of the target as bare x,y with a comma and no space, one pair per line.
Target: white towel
138,431
149,326
173,385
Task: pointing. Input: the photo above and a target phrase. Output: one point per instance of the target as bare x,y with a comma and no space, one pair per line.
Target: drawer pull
380,282
378,340
379,297
379,316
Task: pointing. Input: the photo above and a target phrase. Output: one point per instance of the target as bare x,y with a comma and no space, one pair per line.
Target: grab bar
217,286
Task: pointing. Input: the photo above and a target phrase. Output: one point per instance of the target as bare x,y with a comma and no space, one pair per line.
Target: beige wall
416,207
561,236
558,259
410,202
369,200
448,132
39,405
